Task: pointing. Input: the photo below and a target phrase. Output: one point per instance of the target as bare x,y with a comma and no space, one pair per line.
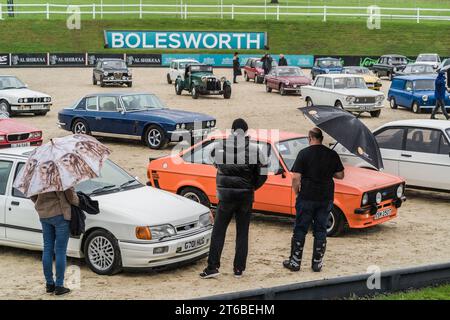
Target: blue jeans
315,212
56,232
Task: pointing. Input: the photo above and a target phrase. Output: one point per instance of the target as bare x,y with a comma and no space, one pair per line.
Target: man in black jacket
240,165
282,62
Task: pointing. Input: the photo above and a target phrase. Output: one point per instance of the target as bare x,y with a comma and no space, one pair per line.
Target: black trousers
241,210
440,104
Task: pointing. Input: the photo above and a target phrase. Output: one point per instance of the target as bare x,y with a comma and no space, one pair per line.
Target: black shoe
49,288
238,273
59,291
209,273
295,260
318,254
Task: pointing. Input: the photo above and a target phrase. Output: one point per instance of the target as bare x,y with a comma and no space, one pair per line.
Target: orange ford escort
364,198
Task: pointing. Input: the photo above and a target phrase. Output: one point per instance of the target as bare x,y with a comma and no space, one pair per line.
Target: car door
271,80
317,91
391,142
109,117
252,69
174,70
22,220
405,95
98,71
5,174
422,164
327,96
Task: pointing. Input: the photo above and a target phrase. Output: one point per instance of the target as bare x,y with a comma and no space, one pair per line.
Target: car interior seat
109,106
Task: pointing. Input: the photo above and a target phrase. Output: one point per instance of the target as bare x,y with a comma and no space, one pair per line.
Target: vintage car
444,63
432,59
16,98
177,69
372,81
363,198
15,134
388,65
416,69
137,227
417,150
134,115
253,70
345,91
200,80
112,71
414,92
286,80
325,66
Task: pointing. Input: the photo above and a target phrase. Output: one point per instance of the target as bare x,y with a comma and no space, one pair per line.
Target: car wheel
194,92
178,88
309,102
335,223
169,81
282,90
390,76
102,83
393,103
94,81
129,84
196,195
5,107
102,253
268,89
80,127
155,137
375,114
415,107
246,77
338,105
227,92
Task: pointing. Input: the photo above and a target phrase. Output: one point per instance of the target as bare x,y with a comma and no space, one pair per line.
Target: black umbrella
348,130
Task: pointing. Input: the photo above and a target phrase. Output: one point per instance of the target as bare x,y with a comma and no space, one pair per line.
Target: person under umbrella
48,179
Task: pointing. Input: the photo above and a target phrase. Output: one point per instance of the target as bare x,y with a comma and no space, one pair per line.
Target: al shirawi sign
122,39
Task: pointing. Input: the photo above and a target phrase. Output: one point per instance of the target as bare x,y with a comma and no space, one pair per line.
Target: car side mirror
121,110
280,171
408,89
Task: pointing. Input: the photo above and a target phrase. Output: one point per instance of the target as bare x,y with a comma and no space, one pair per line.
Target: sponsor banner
93,57
4,59
28,59
362,61
226,60
122,39
144,60
67,59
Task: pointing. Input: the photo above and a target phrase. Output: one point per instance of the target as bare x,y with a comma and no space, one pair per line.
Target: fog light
161,250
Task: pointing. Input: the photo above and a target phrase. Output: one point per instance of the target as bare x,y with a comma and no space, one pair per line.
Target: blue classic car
326,65
134,115
414,92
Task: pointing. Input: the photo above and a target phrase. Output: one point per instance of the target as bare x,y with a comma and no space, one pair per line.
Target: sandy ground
418,236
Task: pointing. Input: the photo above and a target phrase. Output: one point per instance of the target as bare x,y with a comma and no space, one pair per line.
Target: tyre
40,113
94,81
226,92
393,103
129,84
309,102
258,79
102,83
155,137
246,77
102,253
194,92
375,114
416,108
282,90
390,76
80,126
338,105
268,89
5,107
196,195
336,222
169,81
178,88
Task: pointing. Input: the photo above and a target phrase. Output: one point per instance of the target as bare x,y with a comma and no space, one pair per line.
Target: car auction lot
418,236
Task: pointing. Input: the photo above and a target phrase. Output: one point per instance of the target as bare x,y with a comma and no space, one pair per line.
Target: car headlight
350,99
105,73
155,232
35,135
183,126
400,190
208,123
177,127
378,198
425,98
223,79
379,98
124,78
206,219
204,79
2,138
48,99
287,83
213,123
365,199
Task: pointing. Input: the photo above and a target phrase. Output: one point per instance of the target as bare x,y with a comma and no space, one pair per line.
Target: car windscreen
356,70
427,58
140,102
425,84
11,83
200,68
183,64
289,149
290,72
112,178
398,60
349,83
329,63
114,64
418,69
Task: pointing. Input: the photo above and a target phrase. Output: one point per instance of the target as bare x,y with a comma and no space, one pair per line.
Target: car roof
285,67
327,58
417,77
393,55
339,75
264,135
428,54
21,152
427,123
115,94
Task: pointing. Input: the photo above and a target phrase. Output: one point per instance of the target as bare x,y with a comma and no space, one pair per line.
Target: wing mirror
280,171
408,89
121,110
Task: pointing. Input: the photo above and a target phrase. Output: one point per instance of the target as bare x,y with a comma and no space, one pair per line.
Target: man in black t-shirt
313,173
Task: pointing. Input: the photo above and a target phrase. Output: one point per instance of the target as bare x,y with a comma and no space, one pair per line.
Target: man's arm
339,175
296,182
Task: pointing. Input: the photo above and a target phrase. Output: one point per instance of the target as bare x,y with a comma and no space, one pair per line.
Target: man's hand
339,175
296,182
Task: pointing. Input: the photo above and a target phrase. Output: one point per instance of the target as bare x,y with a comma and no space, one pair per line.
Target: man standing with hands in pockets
313,173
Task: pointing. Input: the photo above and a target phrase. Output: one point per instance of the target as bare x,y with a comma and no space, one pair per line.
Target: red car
16,134
286,79
253,70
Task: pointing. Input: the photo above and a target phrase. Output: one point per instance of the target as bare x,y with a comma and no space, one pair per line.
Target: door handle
98,118
406,155
15,203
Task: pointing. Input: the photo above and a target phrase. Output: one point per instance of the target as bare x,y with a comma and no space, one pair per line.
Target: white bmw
15,98
137,227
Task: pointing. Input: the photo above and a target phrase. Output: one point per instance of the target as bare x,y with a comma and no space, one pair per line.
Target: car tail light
143,233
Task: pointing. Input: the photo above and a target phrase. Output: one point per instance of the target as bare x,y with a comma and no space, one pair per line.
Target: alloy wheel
101,253
192,196
80,128
154,137
3,107
331,221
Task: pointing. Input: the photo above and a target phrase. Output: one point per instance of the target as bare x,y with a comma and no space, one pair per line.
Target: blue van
415,93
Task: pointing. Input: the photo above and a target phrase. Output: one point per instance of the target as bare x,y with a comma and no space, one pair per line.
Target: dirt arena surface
420,235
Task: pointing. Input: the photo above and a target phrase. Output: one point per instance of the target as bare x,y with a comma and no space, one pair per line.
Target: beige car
372,81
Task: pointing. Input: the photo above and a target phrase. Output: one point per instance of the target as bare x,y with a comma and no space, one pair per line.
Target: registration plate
382,214
23,144
193,244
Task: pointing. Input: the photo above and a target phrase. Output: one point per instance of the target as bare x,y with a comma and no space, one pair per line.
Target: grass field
435,293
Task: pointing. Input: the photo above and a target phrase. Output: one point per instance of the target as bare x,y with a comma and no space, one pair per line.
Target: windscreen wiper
104,188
